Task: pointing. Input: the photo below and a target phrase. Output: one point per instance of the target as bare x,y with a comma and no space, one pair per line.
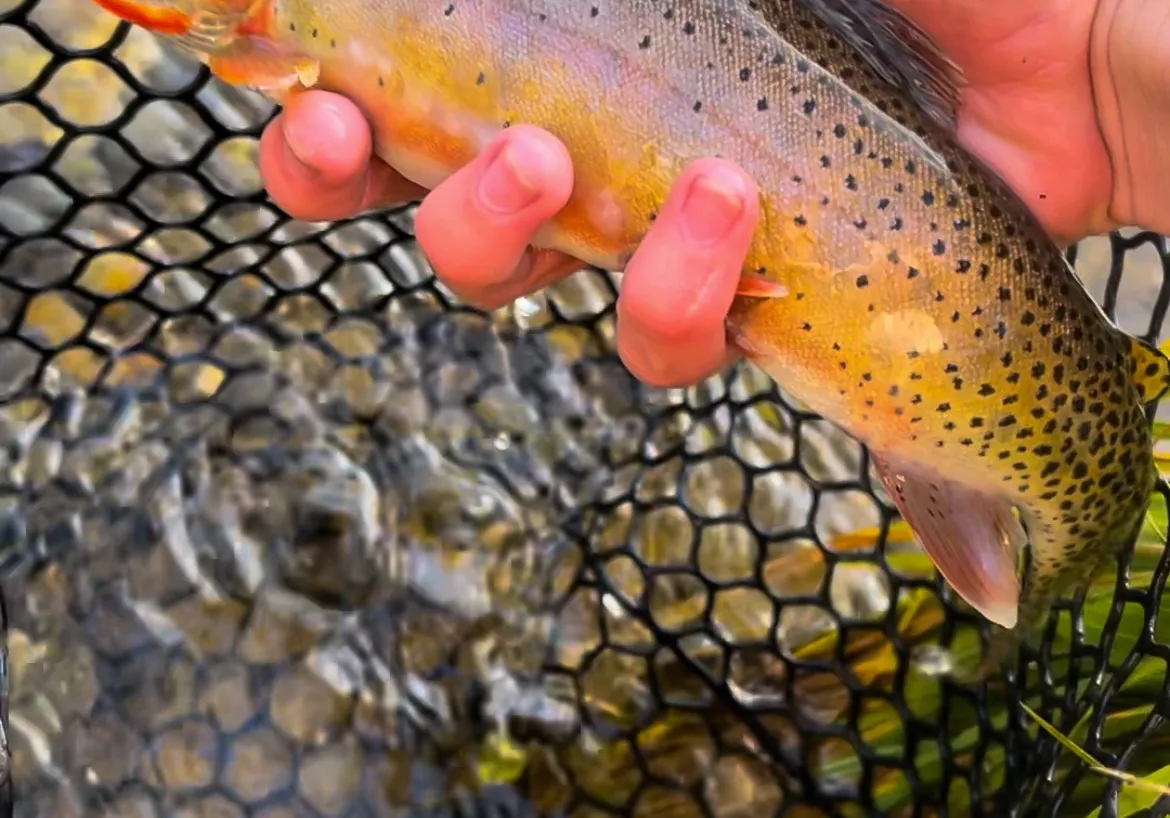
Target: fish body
894,284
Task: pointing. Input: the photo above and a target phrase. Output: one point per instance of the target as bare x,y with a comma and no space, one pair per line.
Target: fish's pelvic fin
972,538
899,50
754,285
1150,369
256,62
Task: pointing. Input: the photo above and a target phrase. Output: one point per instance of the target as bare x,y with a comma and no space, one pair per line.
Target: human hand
1033,106
316,162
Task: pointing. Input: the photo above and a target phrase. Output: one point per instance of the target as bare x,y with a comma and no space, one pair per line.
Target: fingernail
712,207
311,140
512,181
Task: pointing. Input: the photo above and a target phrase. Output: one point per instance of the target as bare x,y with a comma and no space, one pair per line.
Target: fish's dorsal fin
1150,370
973,539
898,50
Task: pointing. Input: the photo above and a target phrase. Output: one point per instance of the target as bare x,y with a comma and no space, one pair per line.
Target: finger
477,225
315,160
679,285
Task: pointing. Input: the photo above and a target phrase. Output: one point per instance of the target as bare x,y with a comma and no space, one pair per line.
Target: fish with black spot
1001,406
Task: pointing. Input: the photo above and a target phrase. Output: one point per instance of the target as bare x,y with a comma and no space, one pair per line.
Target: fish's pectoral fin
157,18
973,539
259,63
755,285
899,50
1150,369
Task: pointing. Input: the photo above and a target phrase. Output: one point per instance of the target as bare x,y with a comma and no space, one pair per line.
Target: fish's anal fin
973,539
256,62
899,50
1150,369
755,285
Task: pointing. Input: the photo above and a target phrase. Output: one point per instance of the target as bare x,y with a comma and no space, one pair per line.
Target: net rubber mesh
288,531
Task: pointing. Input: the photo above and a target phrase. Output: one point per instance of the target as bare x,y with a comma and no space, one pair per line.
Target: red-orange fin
754,285
972,538
256,62
159,19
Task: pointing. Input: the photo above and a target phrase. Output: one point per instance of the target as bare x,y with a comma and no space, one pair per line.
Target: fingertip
682,279
680,284
476,226
533,182
317,163
327,137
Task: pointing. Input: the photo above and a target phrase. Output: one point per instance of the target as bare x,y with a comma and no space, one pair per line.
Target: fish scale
895,284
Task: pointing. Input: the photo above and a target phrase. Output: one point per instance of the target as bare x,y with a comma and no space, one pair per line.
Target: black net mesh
286,530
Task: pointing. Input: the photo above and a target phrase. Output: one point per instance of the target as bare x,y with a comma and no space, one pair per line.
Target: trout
894,284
